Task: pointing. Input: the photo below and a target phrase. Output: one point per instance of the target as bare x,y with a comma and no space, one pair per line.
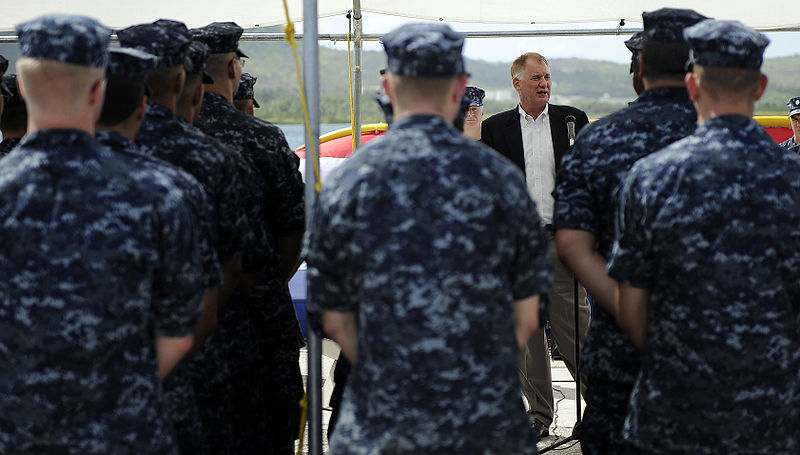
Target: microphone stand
576,430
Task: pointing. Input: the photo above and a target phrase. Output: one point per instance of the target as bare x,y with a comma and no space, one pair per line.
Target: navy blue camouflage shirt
585,197
178,389
98,257
790,144
166,136
711,226
8,144
429,237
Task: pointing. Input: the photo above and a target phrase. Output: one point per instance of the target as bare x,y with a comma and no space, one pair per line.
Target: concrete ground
563,393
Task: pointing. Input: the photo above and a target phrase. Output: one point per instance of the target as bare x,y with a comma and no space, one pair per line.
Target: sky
611,48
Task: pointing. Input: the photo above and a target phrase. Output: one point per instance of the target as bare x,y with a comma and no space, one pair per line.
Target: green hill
598,87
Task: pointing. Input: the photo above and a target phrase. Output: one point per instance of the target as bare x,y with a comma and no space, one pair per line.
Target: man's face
796,126
474,114
534,85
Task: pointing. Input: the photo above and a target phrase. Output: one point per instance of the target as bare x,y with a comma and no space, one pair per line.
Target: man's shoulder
564,110
501,117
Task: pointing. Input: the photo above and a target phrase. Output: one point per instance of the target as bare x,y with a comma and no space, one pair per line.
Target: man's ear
141,111
642,70
178,83
97,92
197,96
232,68
385,85
762,85
251,109
692,86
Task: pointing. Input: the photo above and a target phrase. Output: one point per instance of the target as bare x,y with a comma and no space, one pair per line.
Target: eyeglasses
241,60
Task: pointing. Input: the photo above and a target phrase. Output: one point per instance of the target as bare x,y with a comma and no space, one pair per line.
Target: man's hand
632,307
343,329
526,315
578,250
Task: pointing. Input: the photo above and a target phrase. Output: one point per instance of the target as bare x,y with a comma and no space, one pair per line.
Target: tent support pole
311,81
358,44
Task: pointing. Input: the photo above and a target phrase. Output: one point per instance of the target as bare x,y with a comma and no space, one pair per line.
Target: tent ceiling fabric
250,13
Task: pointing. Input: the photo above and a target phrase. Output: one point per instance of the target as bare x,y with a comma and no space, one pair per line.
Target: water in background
296,132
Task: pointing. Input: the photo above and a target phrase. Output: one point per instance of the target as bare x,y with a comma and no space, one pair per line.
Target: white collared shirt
540,160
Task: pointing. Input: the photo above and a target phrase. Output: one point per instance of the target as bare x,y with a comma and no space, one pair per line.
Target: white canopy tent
767,14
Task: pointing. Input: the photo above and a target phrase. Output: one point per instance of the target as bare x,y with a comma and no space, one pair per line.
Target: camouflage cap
77,40
3,65
246,89
221,37
168,40
11,96
727,44
129,63
794,106
385,104
634,43
475,95
424,50
667,24
196,59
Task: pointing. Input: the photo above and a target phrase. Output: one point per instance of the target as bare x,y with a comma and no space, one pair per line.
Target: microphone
570,119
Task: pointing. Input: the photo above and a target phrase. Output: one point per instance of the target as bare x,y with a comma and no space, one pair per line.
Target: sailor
14,119
424,246
706,254
267,405
584,207
474,114
123,112
88,245
794,117
244,98
166,135
634,44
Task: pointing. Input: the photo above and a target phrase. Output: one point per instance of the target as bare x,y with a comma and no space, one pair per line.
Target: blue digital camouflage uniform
794,108
710,226
166,136
585,197
429,237
246,89
11,101
178,388
90,246
275,384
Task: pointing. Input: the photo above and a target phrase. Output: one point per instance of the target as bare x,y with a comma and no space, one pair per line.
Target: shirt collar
523,116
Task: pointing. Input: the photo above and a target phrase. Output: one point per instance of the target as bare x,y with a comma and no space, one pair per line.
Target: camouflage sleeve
329,260
207,238
290,204
631,259
531,271
178,287
574,204
235,232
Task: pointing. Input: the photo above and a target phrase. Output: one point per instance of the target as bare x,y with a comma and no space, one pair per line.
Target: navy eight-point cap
168,40
196,60
77,40
220,37
424,50
129,63
475,95
794,106
667,24
727,44
246,90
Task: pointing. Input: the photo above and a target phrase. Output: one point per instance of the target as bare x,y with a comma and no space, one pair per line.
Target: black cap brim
255,103
207,78
240,53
